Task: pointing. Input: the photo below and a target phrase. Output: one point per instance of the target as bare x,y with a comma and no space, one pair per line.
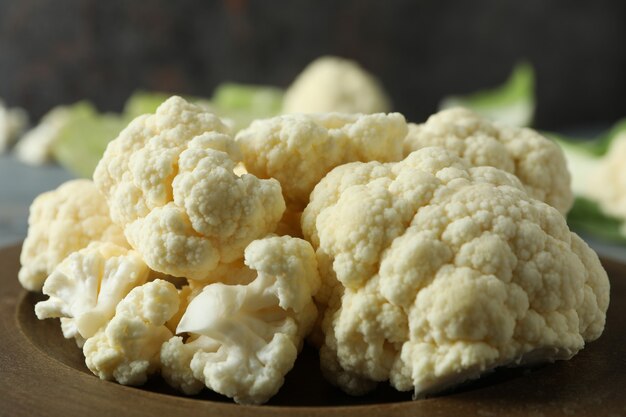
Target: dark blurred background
55,52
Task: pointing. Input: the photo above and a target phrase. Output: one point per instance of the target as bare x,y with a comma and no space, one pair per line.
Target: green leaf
586,217
143,102
512,103
243,103
252,98
84,137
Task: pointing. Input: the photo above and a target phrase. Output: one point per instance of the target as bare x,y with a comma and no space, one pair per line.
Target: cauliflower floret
606,183
13,122
332,84
170,184
63,221
36,146
86,287
538,162
298,150
127,349
434,272
245,338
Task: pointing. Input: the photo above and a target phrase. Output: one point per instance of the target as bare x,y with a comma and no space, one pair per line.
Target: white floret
127,350
63,221
170,183
538,162
299,150
245,338
86,287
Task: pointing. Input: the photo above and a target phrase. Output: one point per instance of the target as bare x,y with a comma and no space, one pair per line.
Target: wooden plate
42,374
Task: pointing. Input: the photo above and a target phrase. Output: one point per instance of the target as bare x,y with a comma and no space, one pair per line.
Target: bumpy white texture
538,162
298,150
169,181
332,84
86,287
63,221
606,184
243,339
434,272
127,350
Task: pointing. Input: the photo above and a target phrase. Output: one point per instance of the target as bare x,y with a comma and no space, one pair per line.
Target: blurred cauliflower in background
333,84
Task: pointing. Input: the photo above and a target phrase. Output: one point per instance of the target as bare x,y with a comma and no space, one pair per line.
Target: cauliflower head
299,150
606,183
333,84
170,184
243,339
434,272
63,221
127,349
86,287
538,162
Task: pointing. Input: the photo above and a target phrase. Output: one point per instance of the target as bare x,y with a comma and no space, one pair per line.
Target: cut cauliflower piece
538,162
63,221
127,349
333,84
434,272
298,150
245,338
86,287
170,184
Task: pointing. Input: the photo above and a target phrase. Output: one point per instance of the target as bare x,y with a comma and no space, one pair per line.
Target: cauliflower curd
434,272
431,254
169,182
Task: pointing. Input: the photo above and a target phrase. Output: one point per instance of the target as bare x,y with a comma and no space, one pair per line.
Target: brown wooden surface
42,374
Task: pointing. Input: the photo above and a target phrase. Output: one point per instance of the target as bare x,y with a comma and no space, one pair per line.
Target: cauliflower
35,148
298,150
13,122
434,272
61,222
245,338
538,162
606,183
127,349
85,288
169,181
332,84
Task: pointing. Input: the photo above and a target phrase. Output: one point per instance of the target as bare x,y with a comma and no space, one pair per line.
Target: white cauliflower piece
63,221
538,162
245,338
13,122
299,150
434,272
169,181
606,183
86,287
35,148
333,84
127,349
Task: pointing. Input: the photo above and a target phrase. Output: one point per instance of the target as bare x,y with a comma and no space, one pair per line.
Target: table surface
19,185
